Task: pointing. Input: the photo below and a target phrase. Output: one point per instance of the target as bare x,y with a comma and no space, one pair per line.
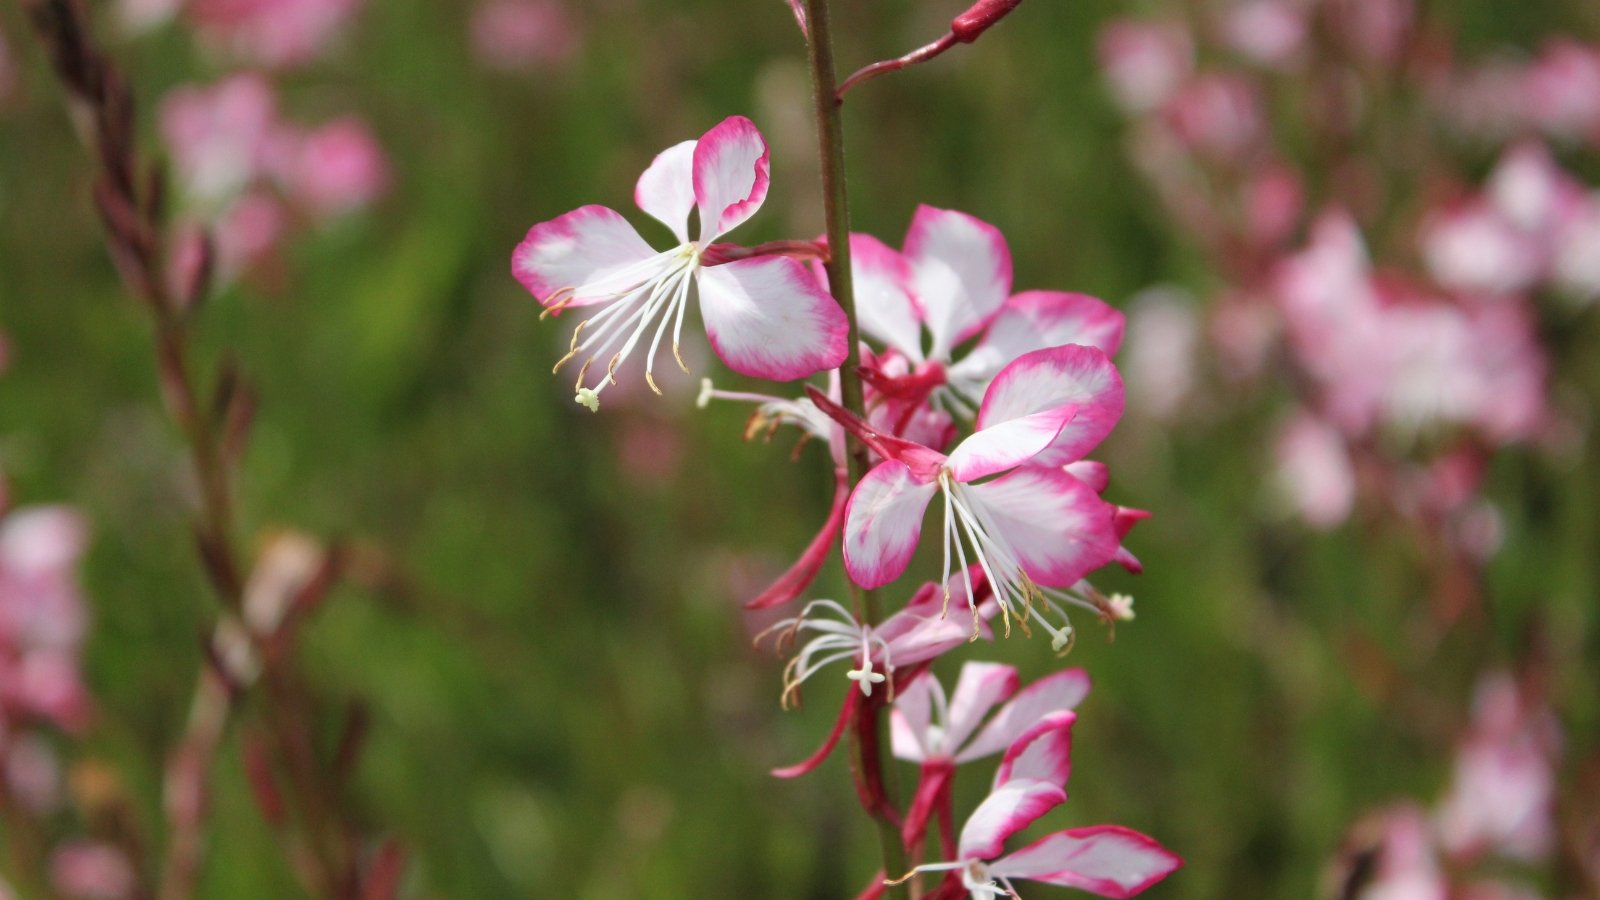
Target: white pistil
837,641
636,305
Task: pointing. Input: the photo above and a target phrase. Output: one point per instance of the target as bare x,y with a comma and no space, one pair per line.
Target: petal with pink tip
1042,753
1032,320
666,189
911,717
979,688
1046,379
883,522
1059,529
1058,692
960,274
1008,444
1007,810
579,254
768,318
732,168
1108,860
884,304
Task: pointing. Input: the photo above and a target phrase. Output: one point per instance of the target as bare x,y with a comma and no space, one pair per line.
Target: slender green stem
836,203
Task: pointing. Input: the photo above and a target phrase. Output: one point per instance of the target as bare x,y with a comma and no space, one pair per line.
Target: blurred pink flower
1407,867
247,232
31,772
1162,356
1502,799
1145,61
1267,32
1389,354
138,16
524,35
1577,262
273,33
85,870
1563,90
42,615
1219,116
1314,471
219,136
1374,30
333,169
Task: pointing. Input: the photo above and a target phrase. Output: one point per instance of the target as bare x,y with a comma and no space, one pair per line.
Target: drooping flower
766,316
1034,528
1108,860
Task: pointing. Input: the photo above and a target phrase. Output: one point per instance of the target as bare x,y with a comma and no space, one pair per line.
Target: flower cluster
1409,372
1500,809
989,399
252,172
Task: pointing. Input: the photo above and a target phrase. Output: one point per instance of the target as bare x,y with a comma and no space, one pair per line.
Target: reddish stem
884,67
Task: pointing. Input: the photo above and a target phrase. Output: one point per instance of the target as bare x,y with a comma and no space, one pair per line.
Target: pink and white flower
940,732
953,282
1108,860
916,634
1033,528
766,316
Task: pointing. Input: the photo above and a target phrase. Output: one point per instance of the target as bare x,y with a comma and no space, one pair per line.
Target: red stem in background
129,194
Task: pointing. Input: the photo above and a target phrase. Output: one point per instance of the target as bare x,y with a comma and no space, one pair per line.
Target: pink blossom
1107,860
1577,262
1563,89
953,281
1407,866
918,633
766,316
1502,799
1162,362
84,870
1375,30
333,169
523,35
1036,530
31,771
1144,62
1267,32
1218,116
247,232
139,16
1315,472
219,136
273,33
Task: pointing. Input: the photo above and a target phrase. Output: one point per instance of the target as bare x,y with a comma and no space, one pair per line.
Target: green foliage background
568,704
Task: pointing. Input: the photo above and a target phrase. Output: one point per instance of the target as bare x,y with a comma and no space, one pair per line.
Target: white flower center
652,292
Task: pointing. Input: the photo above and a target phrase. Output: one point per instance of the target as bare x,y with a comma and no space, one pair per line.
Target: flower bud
978,17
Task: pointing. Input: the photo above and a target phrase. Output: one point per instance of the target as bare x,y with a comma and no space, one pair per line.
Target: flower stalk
868,738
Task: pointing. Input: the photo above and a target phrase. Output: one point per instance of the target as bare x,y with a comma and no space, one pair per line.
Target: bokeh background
564,699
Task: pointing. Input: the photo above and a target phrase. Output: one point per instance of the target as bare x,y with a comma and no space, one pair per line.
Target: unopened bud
968,26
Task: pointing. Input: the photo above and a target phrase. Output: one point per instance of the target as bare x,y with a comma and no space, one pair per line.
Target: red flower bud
977,19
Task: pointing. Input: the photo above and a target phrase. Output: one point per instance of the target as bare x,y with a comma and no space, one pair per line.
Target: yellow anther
557,302
675,355
652,382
